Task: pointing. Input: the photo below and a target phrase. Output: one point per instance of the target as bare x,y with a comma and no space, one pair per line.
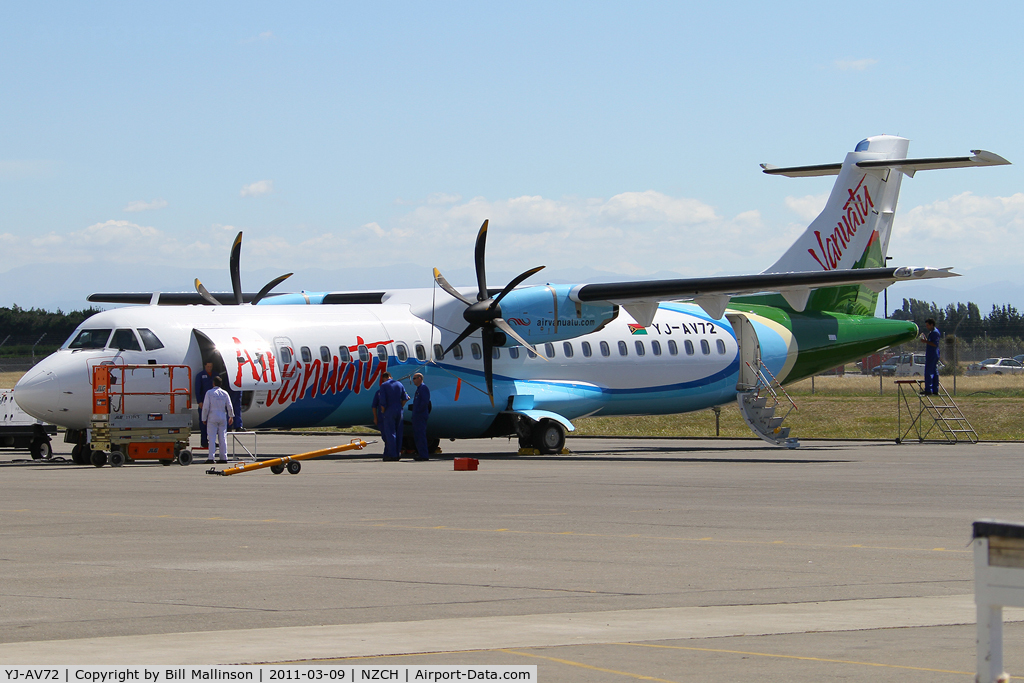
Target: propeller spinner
236,279
485,313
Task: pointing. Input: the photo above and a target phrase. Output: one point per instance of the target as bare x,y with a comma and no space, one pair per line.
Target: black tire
40,449
294,467
185,458
548,437
79,455
116,459
277,469
98,458
526,441
165,463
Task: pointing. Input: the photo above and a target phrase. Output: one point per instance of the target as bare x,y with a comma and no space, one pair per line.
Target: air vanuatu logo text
832,246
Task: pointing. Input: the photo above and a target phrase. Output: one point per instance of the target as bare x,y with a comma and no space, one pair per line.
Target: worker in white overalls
217,414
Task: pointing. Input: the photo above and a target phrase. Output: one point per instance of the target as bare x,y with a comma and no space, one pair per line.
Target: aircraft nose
38,394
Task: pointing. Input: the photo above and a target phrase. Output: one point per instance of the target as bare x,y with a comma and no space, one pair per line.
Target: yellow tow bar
289,462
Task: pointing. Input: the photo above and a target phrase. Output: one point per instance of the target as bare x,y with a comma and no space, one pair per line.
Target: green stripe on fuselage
826,339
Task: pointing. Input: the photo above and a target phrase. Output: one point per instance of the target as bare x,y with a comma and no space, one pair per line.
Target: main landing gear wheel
548,437
277,469
98,458
80,455
294,467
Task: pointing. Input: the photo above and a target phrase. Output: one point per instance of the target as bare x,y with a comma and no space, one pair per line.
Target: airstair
760,406
929,413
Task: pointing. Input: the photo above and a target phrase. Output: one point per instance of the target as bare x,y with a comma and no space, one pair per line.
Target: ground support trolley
22,431
141,412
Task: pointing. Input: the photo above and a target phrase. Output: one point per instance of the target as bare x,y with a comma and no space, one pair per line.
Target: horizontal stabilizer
979,157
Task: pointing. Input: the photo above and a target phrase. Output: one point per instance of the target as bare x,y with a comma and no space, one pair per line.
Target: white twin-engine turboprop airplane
527,360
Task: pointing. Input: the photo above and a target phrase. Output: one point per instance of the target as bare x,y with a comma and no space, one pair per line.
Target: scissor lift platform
141,412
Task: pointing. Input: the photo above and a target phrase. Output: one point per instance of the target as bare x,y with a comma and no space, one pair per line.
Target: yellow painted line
806,659
639,677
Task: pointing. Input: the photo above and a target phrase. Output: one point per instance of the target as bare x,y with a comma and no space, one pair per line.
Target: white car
996,366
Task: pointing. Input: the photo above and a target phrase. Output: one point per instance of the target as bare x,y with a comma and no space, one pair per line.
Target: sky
361,144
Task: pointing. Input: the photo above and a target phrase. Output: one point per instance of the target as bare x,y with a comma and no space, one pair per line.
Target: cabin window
721,346
623,349
344,355
705,348
495,352
438,352
421,352
457,352
284,354
640,348
549,350
605,349
307,355
364,353
567,349
150,340
401,351
125,339
325,354
673,348
474,348
513,352
587,353
656,347
688,345
530,353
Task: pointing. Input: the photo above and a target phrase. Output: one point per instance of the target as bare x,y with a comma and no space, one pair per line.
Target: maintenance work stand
920,414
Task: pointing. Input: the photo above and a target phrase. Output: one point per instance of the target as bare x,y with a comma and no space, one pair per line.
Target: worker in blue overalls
204,382
931,357
392,402
420,412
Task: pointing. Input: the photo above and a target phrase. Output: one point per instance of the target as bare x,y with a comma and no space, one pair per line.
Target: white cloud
257,189
854,64
965,230
140,205
807,207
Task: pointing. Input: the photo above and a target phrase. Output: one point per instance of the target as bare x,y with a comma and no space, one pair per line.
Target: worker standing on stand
931,357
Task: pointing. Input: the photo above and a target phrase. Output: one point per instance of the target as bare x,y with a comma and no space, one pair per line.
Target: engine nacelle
545,313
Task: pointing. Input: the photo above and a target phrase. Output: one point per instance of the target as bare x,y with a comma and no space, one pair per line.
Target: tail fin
854,228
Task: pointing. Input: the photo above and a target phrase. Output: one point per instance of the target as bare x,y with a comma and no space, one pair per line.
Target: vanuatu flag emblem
637,329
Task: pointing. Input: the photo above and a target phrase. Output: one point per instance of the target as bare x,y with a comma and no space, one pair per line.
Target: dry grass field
847,407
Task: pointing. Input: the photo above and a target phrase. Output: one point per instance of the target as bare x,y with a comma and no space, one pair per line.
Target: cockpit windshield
90,339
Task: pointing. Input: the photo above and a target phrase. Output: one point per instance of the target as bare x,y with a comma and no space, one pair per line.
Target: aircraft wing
640,299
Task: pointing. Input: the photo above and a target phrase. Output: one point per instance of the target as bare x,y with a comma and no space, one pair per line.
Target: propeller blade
465,333
481,275
207,297
236,276
487,334
269,286
507,329
515,283
443,284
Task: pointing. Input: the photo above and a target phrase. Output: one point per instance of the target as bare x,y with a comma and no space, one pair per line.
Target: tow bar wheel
294,467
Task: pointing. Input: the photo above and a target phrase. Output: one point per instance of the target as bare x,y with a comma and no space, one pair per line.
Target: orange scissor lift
141,412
